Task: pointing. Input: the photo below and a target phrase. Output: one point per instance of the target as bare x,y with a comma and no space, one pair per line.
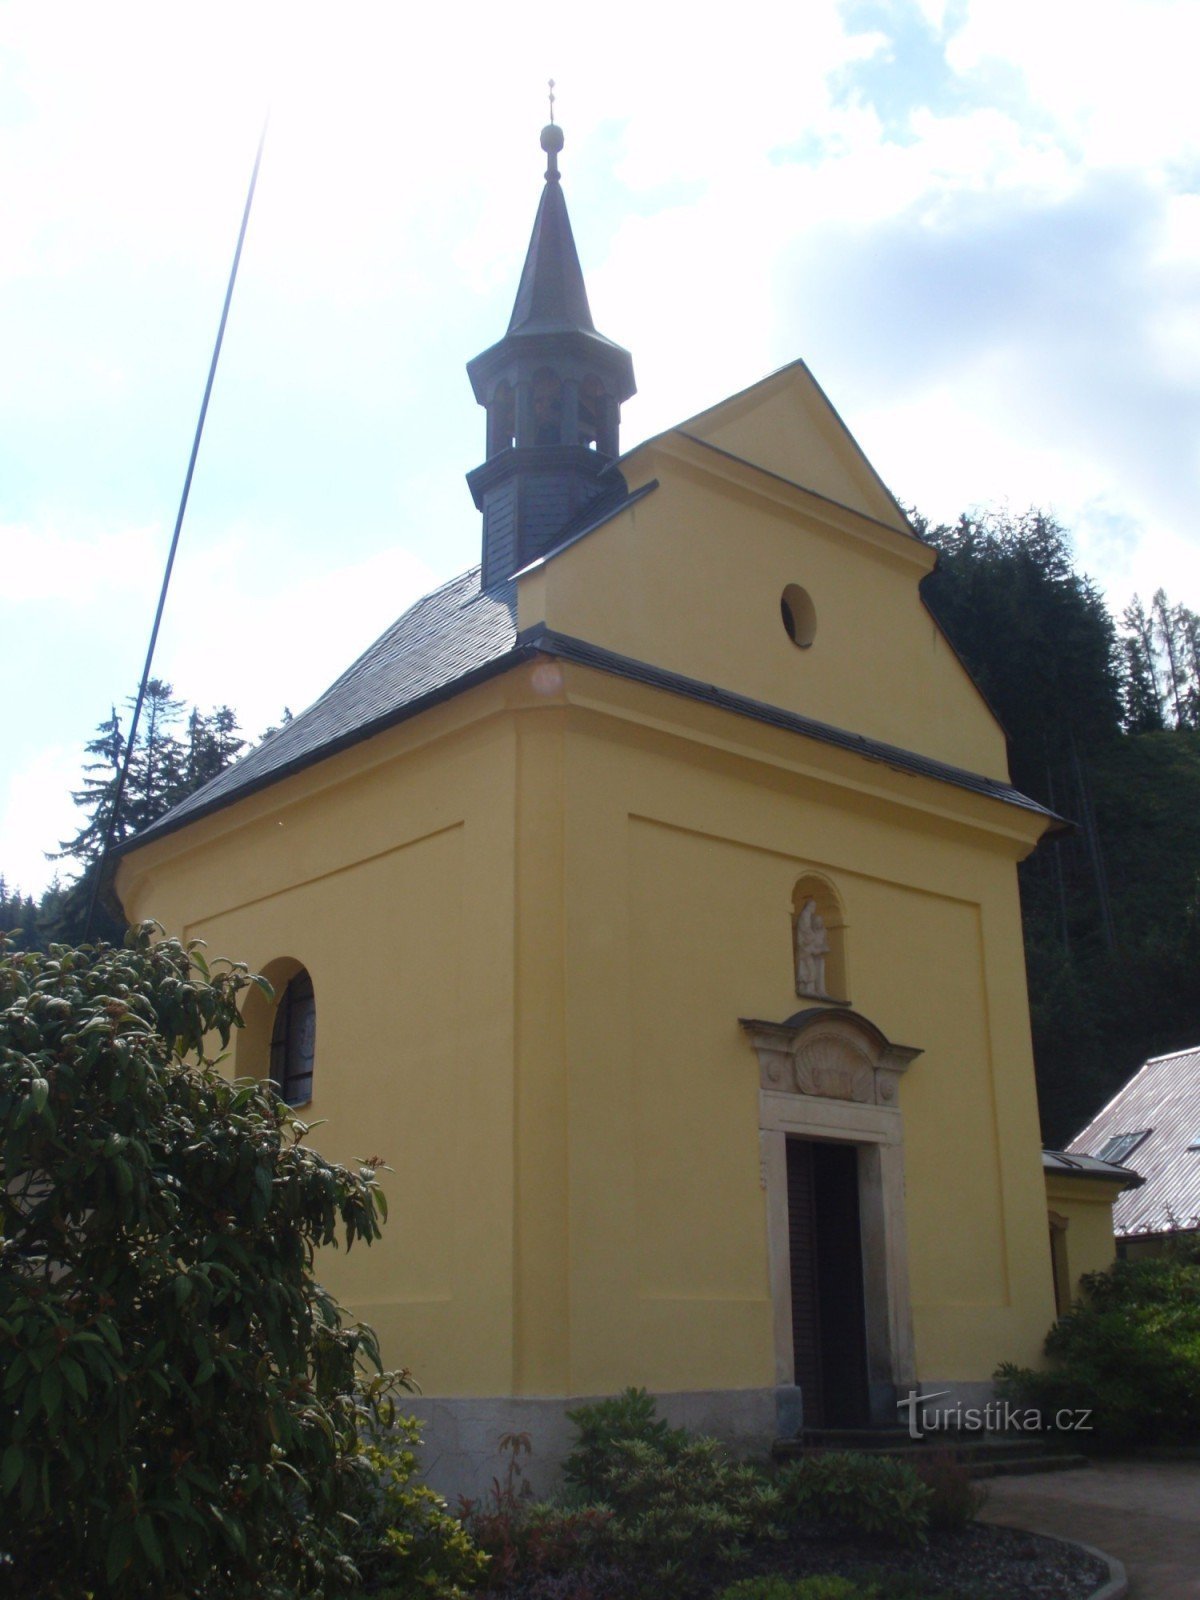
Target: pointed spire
552,297
552,388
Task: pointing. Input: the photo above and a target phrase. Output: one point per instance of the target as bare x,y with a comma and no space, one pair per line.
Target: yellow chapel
646,898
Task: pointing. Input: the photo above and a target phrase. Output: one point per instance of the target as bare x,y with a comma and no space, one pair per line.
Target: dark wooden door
828,1314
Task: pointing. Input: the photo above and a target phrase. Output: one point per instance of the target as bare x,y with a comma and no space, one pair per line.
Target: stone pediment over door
829,1054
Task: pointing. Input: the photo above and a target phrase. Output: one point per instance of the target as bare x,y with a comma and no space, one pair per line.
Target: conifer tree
163,770
1141,690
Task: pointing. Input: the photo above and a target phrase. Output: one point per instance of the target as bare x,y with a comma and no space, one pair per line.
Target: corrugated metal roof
1162,1099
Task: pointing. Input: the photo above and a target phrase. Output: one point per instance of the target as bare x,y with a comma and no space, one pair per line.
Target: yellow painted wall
786,424
1089,1241
388,872
679,907
690,578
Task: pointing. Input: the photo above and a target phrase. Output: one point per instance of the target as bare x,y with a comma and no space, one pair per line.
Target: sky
978,221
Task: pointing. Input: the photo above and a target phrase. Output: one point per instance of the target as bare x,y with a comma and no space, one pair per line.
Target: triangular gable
787,425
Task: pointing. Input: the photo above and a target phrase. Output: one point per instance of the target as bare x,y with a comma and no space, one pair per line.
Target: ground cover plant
184,1411
651,1511
1128,1353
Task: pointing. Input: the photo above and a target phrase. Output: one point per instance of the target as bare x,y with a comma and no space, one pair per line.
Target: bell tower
552,390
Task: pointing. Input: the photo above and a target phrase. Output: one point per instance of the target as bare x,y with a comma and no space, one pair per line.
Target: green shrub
1128,1352
631,1415
528,1542
874,1495
955,1497
823,1586
870,1585
667,1508
681,1511
405,1543
829,1586
181,1403
528,1539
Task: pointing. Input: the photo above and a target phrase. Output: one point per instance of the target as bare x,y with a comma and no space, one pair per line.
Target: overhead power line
183,500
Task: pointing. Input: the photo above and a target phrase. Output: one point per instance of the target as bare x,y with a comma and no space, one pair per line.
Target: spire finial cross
552,140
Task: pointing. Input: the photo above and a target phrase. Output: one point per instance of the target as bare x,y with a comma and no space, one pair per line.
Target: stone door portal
832,1154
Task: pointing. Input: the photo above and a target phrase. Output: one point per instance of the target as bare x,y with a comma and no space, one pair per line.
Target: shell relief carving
834,1068
831,1055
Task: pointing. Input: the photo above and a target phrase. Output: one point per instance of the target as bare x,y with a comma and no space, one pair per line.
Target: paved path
1145,1513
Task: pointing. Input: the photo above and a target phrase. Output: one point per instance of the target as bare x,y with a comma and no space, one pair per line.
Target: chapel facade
646,897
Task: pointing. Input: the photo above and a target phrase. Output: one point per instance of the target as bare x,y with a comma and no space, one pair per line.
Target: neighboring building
598,893
1081,1192
1152,1126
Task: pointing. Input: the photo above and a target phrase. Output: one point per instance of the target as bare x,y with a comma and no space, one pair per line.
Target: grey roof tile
447,637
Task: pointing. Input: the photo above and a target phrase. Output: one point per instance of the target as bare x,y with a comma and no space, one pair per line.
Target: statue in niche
812,946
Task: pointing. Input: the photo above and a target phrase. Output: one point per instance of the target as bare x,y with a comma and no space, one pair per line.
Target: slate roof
445,642
1161,1100
551,297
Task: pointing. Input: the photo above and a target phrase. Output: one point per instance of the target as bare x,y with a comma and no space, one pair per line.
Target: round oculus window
799,615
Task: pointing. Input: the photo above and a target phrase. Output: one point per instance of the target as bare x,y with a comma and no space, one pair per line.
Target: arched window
501,419
595,411
819,941
547,407
294,1041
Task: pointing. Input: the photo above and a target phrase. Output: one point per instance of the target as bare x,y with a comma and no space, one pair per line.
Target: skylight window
1121,1146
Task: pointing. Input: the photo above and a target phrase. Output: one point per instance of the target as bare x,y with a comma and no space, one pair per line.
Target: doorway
829,1333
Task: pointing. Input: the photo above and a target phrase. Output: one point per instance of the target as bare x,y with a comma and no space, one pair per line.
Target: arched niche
819,941
252,1051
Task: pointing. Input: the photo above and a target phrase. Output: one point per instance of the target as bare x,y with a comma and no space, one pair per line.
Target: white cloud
267,644
36,812
84,568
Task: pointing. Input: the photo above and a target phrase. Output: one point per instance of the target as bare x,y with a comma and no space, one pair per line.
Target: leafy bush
874,1495
535,1539
181,1402
594,1580
405,1543
955,1497
829,1586
621,1418
535,1544
1128,1351
823,1586
667,1508
680,1511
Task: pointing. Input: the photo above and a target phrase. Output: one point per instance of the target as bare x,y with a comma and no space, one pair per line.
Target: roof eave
447,691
